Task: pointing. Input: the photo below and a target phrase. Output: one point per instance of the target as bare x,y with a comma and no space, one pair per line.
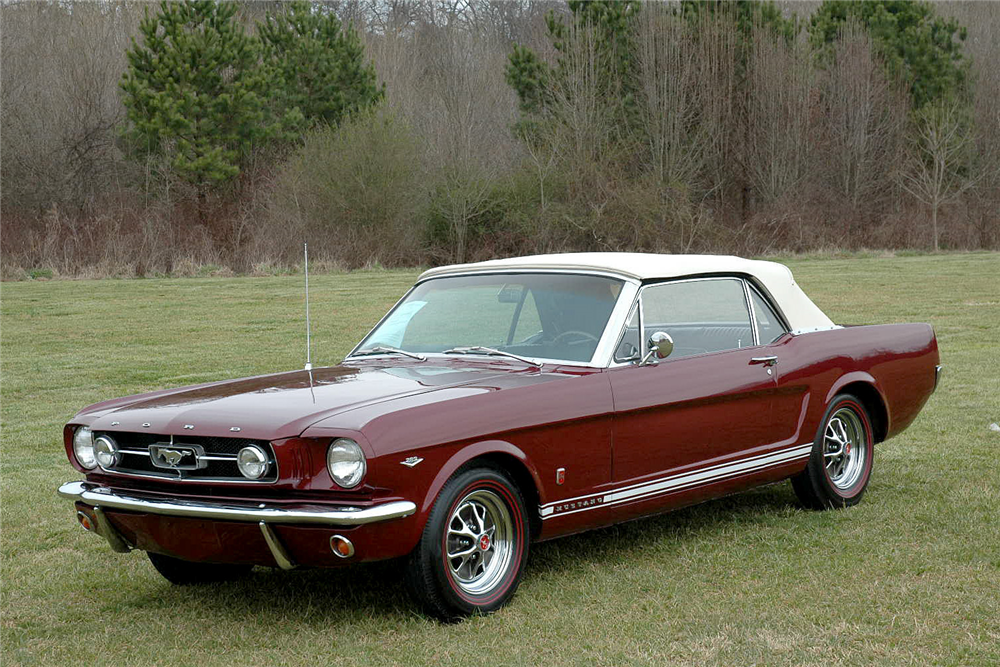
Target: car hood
285,404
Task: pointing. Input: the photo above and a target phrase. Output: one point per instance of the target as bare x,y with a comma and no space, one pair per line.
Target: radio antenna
305,248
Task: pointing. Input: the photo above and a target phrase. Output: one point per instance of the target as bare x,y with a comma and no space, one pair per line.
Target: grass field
910,576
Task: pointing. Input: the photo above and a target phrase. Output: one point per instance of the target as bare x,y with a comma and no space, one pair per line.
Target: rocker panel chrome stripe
675,482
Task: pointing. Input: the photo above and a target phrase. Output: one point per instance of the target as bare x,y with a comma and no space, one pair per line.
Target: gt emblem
412,461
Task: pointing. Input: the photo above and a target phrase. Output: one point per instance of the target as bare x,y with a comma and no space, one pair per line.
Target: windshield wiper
479,349
385,349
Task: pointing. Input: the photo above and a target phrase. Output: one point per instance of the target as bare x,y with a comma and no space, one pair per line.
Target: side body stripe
673,482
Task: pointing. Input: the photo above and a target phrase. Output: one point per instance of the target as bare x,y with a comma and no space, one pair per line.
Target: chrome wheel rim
479,545
845,448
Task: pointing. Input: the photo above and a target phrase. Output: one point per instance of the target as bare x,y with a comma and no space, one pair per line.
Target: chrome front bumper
102,498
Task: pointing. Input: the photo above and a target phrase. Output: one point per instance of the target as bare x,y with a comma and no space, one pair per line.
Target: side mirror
660,347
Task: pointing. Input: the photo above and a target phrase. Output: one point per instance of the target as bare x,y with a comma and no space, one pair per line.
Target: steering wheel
574,332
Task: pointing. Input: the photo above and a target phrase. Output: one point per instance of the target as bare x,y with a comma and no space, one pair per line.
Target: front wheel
840,464
471,555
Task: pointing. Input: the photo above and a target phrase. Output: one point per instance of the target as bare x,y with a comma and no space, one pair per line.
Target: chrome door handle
767,361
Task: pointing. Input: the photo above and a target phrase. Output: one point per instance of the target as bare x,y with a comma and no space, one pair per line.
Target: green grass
910,576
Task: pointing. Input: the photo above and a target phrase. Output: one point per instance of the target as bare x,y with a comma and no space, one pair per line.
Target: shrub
353,192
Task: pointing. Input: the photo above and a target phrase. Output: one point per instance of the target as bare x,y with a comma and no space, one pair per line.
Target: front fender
474,451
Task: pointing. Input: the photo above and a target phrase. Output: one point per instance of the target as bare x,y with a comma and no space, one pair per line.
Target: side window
768,325
628,347
700,315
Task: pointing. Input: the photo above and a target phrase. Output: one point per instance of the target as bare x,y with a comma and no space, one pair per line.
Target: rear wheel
185,572
840,464
471,555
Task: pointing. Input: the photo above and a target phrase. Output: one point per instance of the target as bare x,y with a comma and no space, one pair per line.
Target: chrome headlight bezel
252,462
106,452
83,447
346,463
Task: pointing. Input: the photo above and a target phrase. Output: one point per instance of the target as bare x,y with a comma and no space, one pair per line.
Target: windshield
541,316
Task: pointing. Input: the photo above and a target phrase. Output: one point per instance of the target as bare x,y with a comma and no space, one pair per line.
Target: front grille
136,459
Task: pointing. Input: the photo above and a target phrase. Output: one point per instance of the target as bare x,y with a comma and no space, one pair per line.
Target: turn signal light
341,546
85,521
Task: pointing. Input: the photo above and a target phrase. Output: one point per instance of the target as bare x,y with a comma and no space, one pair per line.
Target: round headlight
252,462
346,462
106,452
83,447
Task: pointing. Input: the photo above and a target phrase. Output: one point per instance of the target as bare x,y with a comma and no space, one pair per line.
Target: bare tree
465,119
865,119
585,124
679,116
982,45
937,159
59,102
671,100
776,118
717,58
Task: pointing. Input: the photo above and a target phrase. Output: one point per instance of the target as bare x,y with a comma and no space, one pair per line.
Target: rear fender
867,390
851,378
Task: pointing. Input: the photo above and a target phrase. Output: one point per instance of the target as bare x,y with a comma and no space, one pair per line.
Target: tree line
200,136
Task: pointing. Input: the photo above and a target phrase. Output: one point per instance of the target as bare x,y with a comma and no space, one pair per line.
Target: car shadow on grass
376,590
667,532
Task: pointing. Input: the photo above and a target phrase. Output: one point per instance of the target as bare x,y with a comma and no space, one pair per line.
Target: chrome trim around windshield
94,495
603,353
528,269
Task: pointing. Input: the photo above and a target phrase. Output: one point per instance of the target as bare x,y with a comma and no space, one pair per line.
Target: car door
791,379
701,413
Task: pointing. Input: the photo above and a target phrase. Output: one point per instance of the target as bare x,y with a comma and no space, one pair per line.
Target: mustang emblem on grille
172,456
177,457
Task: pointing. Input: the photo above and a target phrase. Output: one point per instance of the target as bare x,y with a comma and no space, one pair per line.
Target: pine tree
921,48
192,90
317,67
533,80
748,15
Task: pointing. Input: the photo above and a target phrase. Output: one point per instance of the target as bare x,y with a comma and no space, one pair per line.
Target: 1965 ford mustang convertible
498,404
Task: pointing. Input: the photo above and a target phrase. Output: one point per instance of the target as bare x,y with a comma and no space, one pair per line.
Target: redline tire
471,556
840,464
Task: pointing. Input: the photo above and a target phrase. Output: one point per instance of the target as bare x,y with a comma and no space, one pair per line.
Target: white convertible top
801,313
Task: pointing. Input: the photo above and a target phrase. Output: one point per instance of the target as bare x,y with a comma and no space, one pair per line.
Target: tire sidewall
436,536
835,495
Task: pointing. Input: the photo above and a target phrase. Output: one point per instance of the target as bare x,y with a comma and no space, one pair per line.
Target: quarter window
700,315
768,325
628,347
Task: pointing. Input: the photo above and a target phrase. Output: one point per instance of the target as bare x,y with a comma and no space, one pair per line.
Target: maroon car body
585,444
